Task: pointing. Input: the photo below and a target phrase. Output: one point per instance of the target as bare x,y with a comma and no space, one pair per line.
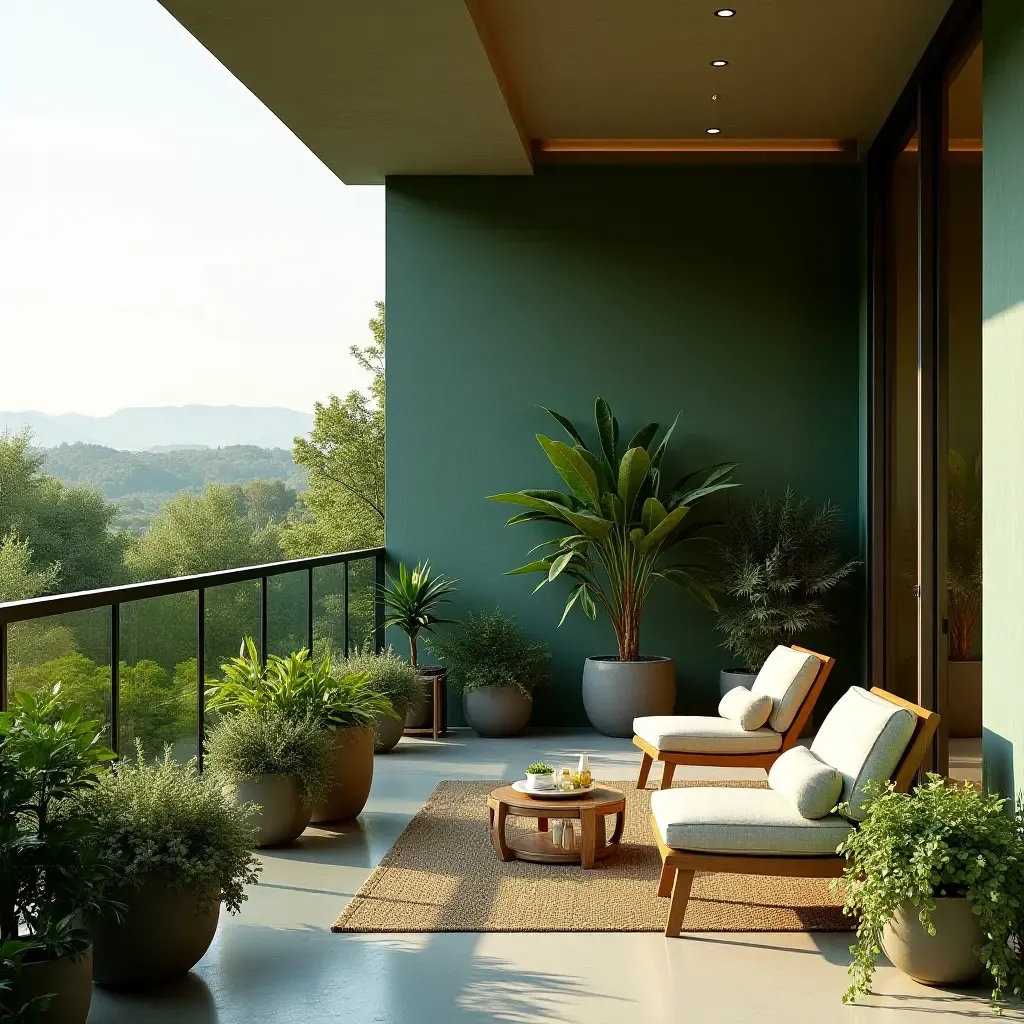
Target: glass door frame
921,109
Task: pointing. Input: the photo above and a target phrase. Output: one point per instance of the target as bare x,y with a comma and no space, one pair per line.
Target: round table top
603,799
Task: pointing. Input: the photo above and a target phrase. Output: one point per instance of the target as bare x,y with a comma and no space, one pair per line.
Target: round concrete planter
164,933
497,710
353,774
68,979
387,731
946,958
282,816
615,692
730,678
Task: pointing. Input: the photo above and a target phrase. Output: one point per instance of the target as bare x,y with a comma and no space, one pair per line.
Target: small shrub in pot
393,677
496,668
280,765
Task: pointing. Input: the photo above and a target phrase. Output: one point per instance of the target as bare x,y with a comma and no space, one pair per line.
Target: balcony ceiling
379,87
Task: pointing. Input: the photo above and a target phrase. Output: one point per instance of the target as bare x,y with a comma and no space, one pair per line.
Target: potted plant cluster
780,562
52,871
394,678
278,764
411,601
496,668
301,688
179,847
621,532
964,587
936,879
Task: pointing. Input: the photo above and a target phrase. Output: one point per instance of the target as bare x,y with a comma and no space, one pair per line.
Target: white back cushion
810,785
863,737
746,709
786,677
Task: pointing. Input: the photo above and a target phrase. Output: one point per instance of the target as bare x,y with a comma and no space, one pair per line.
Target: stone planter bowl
730,678
282,816
353,774
70,982
387,731
946,958
497,711
615,692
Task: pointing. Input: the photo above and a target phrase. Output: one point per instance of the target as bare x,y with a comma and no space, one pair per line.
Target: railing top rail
59,604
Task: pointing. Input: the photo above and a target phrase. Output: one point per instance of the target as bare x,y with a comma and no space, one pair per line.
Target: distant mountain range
167,427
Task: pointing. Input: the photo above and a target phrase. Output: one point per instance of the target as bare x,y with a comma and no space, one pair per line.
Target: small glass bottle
565,782
569,836
557,831
584,771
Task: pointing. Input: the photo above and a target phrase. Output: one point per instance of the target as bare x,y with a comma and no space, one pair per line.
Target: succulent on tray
538,768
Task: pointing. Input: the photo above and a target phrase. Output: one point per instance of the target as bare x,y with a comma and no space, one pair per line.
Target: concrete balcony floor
278,961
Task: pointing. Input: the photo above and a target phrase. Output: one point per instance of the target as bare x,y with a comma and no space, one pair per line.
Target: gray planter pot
69,980
282,816
387,731
730,678
497,710
946,958
353,775
615,692
165,932
964,702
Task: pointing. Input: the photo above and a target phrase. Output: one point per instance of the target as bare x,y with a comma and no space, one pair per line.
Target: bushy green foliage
168,819
387,673
942,840
539,768
490,649
253,743
780,561
296,686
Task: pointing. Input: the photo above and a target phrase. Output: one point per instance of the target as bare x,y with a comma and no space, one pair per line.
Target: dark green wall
1003,390
731,294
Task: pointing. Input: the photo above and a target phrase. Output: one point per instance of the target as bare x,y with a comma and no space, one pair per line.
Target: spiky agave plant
621,529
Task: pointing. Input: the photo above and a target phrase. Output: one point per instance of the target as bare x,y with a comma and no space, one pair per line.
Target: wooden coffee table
589,809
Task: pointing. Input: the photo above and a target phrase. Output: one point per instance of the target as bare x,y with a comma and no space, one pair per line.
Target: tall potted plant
780,562
964,587
411,601
51,869
617,532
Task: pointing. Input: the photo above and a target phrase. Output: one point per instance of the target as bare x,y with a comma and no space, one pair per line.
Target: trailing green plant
490,649
941,840
780,562
388,674
296,686
411,600
52,872
168,819
621,528
254,743
539,768
963,569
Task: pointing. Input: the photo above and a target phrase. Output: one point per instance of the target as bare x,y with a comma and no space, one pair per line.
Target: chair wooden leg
667,771
645,769
677,908
668,876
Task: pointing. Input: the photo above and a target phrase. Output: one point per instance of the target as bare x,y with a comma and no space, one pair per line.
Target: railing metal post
378,604
3,666
115,678
346,609
309,609
263,619
200,675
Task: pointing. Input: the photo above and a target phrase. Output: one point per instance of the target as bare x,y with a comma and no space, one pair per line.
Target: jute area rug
443,875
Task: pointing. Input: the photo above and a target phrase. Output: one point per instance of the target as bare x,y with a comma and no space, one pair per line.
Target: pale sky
164,239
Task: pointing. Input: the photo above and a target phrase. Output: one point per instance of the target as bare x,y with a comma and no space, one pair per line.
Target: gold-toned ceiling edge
955,146
683,150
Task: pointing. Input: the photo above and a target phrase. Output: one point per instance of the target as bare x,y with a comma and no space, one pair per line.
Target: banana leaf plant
622,531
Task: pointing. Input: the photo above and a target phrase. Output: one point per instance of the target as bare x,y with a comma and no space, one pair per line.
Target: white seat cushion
786,677
810,785
695,734
863,737
717,819
747,709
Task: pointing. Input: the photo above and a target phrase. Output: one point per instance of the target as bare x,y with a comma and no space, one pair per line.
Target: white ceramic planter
545,781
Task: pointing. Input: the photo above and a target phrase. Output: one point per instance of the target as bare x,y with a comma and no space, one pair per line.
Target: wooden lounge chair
707,835
790,677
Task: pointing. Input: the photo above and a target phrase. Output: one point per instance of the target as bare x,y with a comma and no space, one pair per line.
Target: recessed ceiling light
725,12
719,63
714,131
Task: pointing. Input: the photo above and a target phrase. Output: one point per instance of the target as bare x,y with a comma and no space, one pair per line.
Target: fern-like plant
963,570
781,561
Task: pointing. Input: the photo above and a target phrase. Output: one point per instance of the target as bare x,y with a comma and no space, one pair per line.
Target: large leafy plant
411,599
623,522
297,686
51,869
941,840
491,649
963,570
780,561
